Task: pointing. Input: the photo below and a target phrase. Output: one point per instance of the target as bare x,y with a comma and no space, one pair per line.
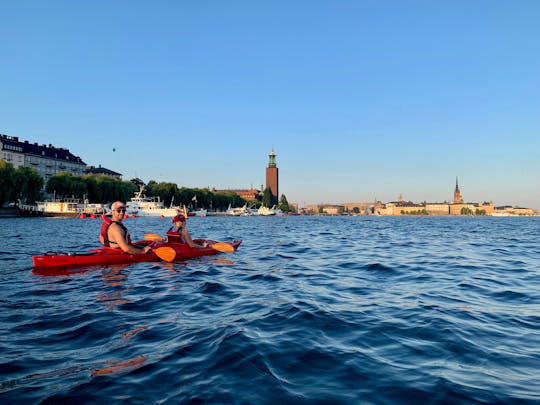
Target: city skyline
361,101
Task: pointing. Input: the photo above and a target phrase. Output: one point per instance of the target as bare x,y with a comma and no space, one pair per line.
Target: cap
179,218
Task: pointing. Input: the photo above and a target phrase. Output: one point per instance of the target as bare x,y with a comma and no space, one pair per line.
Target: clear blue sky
359,99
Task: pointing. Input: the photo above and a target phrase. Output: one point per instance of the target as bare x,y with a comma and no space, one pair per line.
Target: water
309,310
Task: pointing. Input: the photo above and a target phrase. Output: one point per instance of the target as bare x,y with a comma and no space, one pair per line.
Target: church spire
457,194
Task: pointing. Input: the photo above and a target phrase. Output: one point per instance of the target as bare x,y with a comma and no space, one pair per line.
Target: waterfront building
101,171
457,194
247,194
272,179
47,160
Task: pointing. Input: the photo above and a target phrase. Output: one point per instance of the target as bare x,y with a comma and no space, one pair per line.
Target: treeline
22,183
105,189
26,184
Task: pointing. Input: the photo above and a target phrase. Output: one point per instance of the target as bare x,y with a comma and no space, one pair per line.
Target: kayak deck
106,256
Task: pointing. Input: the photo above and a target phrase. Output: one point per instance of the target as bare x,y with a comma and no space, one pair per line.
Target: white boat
237,211
201,212
270,211
266,211
69,207
143,206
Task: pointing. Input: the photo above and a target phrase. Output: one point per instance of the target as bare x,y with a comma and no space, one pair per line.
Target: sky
359,99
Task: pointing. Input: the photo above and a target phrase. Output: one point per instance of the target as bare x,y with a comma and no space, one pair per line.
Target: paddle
153,236
223,247
165,253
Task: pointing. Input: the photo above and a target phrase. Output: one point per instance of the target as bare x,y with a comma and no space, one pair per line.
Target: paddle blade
153,236
165,253
223,247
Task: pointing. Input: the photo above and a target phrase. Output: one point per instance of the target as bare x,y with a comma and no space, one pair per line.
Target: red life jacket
174,236
103,237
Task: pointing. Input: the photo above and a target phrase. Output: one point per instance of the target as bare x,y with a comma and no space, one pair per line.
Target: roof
13,144
102,170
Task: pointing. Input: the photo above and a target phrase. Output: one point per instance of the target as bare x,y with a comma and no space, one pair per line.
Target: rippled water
309,310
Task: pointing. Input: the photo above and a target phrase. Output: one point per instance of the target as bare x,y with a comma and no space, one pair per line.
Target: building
272,177
47,160
457,194
247,194
101,171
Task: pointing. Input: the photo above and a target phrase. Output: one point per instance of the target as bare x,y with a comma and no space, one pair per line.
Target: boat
266,211
270,211
143,206
201,212
104,256
69,207
237,211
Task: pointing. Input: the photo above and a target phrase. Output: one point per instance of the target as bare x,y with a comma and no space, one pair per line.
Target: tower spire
457,194
272,159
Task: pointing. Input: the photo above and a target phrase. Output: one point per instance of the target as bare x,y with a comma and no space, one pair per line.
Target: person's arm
189,241
116,235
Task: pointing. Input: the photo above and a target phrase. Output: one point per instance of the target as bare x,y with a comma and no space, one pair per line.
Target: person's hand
147,249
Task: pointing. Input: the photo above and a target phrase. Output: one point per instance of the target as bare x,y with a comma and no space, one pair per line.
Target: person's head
179,220
118,209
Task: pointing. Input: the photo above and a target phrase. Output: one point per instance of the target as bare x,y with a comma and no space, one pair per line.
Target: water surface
309,310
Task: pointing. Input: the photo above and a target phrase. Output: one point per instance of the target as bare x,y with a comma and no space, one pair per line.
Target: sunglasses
120,210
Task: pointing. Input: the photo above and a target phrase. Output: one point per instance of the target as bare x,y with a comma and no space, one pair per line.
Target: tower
457,195
272,181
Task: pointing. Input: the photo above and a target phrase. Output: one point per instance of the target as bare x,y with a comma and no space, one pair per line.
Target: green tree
7,184
283,204
65,185
267,198
28,184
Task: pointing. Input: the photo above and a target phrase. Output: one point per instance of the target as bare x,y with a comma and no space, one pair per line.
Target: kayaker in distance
178,233
115,235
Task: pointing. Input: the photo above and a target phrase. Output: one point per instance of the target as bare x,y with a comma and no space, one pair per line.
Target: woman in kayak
178,233
116,235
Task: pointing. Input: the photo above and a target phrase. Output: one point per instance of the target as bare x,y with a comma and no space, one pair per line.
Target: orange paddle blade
165,253
223,247
153,236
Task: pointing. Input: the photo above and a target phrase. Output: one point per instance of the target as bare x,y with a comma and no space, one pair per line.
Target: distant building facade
47,160
101,171
247,194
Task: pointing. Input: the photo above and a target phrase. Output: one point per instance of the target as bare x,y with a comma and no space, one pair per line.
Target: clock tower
272,181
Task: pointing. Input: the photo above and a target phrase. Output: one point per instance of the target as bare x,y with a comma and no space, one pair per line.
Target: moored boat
144,206
68,207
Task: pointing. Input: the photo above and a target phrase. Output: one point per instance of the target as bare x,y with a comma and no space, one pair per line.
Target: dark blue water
309,310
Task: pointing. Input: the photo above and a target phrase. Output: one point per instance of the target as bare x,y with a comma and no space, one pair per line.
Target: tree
65,185
267,198
28,184
283,204
7,185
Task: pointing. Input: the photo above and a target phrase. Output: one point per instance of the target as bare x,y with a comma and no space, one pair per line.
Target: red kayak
106,256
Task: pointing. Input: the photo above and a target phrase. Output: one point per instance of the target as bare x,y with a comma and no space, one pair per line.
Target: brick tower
457,195
272,177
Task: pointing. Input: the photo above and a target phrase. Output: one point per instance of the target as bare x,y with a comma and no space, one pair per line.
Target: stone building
47,160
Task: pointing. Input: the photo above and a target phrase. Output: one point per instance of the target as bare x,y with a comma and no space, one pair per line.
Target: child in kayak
115,235
178,233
